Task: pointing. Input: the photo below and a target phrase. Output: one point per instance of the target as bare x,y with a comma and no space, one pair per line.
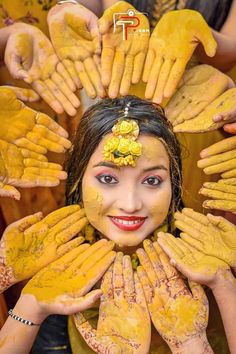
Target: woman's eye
152,181
107,179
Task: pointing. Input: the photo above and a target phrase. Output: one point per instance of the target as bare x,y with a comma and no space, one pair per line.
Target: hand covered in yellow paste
28,129
195,265
203,122
76,39
172,44
212,235
199,87
23,168
60,287
222,194
23,94
31,243
123,56
30,56
179,315
124,323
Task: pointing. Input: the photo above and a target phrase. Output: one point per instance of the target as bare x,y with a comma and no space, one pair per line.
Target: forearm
16,337
225,295
197,345
225,56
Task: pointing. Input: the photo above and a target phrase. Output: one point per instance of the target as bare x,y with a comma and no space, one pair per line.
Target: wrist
197,345
29,308
224,283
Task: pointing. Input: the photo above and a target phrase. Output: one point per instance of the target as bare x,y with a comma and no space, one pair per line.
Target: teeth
126,222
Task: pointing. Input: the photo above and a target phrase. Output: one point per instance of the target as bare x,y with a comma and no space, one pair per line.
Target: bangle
61,2
20,319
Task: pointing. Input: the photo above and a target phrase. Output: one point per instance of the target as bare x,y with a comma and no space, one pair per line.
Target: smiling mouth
128,223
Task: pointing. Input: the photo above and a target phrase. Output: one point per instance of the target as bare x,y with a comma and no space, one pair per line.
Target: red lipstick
128,223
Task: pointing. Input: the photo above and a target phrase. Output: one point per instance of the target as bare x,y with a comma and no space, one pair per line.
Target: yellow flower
135,148
111,144
123,147
125,127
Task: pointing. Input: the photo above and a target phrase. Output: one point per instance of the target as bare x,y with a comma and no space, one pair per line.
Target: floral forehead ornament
122,148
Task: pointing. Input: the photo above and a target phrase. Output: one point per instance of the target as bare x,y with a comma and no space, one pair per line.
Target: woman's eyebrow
157,167
107,164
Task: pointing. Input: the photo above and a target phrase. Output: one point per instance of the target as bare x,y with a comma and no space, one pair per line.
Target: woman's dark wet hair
98,121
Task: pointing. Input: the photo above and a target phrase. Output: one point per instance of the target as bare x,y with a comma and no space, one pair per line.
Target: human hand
28,129
59,288
170,50
75,36
24,168
203,122
31,243
124,323
212,235
195,265
29,55
122,59
23,94
178,314
198,87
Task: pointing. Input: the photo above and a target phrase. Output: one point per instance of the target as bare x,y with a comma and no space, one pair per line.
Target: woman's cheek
93,203
160,207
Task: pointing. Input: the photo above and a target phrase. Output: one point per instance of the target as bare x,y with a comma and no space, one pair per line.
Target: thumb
198,292
106,21
87,301
96,36
16,70
9,191
208,41
23,94
221,223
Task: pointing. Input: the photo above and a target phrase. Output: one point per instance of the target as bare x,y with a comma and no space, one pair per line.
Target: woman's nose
130,202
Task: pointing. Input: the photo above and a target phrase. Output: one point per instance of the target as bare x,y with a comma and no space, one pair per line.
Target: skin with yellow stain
212,235
165,62
199,87
204,121
29,55
76,39
122,298
122,60
30,244
180,315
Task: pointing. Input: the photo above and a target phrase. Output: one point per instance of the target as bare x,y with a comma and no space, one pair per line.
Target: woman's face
126,204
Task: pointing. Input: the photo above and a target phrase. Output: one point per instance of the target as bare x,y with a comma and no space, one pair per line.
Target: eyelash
100,177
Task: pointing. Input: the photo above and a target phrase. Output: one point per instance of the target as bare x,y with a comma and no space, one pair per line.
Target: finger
146,285
54,217
94,76
41,88
33,155
174,78
102,252
68,221
29,180
221,223
214,160
170,245
43,172
71,231
220,167
85,80
27,144
148,64
81,303
90,252
23,94
65,248
202,219
153,78
49,123
192,241
117,73
128,279
15,67
208,42
228,181
156,263
139,293
118,279
219,147
106,285
215,194
107,59
162,80
64,88
97,61
197,221
71,256
65,103
9,191
220,205
227,189
127,75
170,271
25,223
28,162
193,231
230,128
44,137
198,292
66,77
138,67
147,265
229,174
70,67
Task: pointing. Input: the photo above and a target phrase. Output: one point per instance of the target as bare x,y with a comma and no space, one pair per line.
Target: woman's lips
128,223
